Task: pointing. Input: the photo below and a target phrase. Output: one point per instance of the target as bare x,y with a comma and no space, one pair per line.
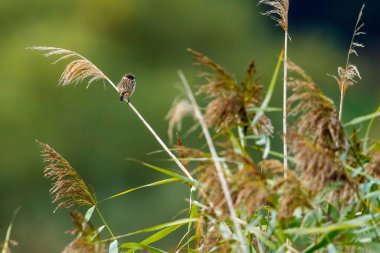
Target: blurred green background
95,132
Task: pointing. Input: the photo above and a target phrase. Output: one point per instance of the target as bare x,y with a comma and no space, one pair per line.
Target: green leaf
170,173
160,234
362,119
187,243
326,240
158,227
5,246
269,93
137,246
368,130
165,181
354,223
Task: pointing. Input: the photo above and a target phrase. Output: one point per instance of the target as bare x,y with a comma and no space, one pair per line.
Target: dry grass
68,188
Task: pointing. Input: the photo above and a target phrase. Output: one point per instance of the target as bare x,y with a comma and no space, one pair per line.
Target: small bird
126,86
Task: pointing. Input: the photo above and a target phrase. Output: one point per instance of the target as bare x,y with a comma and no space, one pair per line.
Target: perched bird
126,86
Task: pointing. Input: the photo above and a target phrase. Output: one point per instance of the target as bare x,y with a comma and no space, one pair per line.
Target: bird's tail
121,98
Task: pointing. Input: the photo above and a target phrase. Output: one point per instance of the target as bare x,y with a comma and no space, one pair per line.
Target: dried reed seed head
223,112
292,195
77,70
272,168
290,191
219,82
348,75
81,245
212,189
316,115
192,152
317,166
249,190
180,109
232,102
279,11
212,240
68,188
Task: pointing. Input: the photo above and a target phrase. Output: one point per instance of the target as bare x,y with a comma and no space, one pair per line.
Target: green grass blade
187,243
165,181
161,234
354,223
365,145
361,119
159,227
5,248
136,246
326,240
269,93
170,173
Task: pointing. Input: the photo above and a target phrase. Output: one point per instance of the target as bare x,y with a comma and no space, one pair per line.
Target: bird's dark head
130,76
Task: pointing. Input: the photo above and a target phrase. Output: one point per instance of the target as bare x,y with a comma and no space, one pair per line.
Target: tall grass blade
165,181
362,119
7,240
139,246
264,106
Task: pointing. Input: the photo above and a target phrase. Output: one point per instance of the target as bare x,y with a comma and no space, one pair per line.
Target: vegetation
324,196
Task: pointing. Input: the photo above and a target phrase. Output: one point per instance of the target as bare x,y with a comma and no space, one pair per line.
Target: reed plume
279,13
77,70
348,75
317,136
232,101
80,69
68,188
180,109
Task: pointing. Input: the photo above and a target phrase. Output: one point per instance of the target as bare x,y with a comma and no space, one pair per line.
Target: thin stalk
351,47
5,246
105,223
341,103
159,140
284,110
219,170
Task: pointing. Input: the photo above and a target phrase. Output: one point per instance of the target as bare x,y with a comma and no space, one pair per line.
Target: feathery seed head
68,188
180,109
279,11
77,70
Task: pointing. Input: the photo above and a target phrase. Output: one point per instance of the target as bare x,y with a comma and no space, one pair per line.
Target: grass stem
159,140
218,167
284,111
105,223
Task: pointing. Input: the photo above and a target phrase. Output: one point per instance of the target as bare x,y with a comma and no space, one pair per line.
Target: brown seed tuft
68,188
232,104
77,70
279,11
179,110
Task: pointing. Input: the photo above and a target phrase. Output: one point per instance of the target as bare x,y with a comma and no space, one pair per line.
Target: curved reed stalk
219,170
279,13
81,68
347,75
